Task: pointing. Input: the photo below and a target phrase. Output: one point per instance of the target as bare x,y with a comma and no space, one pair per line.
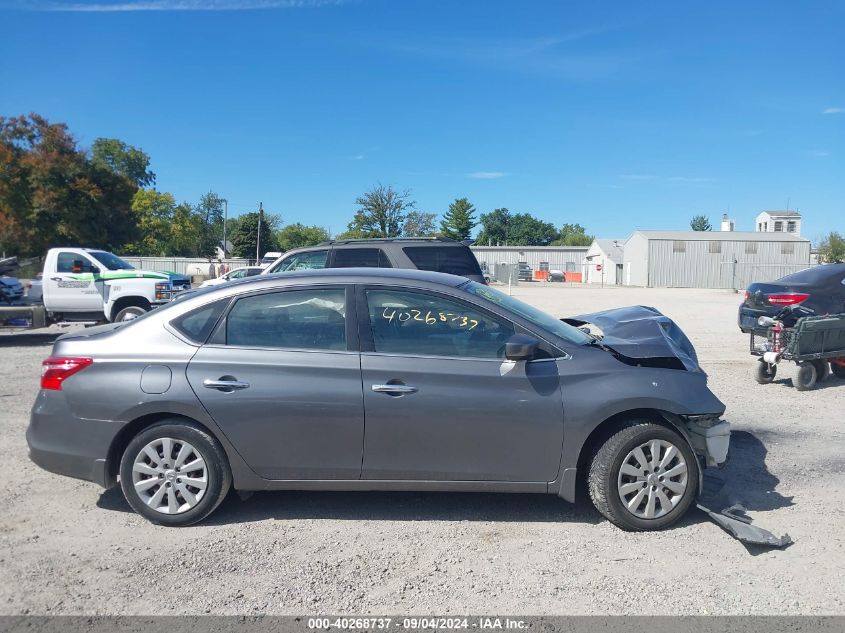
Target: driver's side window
419,323
73,263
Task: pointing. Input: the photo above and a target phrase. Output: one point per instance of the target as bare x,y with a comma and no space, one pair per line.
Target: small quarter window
715,246
751,248
197,324
679,246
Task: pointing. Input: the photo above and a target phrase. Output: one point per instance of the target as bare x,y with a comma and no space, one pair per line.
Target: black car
435,254
820,289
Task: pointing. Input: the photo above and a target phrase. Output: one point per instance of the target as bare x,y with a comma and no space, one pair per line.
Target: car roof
365,275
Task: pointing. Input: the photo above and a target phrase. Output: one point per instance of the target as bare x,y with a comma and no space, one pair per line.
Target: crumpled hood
641,333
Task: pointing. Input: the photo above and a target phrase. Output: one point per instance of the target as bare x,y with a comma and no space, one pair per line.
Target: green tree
154,215
185,229
419,224
832,248
210,211
299,235
700,223
51,194
573,235
130,162
381,212
244,237
459,220
502,227
495,227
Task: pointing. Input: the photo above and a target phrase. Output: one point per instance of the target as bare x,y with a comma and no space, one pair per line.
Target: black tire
822,369
838,370
806,377
765,372
218,476
605,472
129,312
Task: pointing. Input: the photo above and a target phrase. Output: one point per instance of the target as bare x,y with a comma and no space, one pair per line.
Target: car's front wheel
644,477
174,473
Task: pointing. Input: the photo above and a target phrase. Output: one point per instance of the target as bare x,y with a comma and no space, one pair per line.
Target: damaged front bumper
709,436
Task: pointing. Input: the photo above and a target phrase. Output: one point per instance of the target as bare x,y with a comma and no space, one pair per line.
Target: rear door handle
225,385
395,390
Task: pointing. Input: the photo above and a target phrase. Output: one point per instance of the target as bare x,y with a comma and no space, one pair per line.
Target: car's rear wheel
174,473
765,372
806,377
644,477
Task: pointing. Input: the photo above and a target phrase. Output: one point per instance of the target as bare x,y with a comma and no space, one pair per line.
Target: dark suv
437,254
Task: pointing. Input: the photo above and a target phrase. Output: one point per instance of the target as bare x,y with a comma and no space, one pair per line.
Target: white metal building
564,258
604,262
711,259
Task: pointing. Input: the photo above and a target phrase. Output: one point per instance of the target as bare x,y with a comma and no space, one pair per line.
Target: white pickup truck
83,284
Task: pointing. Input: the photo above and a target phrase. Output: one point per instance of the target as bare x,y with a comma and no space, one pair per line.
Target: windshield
111,261
532,314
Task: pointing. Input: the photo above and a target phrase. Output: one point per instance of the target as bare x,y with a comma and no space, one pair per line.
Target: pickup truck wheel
806,377
174,473
128,313
644,477
765,372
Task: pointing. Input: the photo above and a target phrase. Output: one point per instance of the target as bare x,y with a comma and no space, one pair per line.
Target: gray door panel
301,415
465,421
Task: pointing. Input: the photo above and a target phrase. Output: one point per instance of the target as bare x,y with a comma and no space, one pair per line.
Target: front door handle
225,383
395,390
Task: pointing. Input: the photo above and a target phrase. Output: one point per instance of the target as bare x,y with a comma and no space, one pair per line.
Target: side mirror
95,269
521,347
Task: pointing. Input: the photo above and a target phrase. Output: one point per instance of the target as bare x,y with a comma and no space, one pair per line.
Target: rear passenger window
360,258
197,324
295,319
455,260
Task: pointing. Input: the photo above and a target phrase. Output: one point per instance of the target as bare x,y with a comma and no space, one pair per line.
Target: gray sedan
373,379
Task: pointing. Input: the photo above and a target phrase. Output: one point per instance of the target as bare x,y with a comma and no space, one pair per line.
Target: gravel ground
68,547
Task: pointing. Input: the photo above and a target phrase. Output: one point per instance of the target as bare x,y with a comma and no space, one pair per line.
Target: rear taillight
787,299
56,369
747,296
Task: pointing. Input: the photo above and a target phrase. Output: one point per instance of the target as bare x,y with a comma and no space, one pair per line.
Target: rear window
455,260
360,258
197,324
814,274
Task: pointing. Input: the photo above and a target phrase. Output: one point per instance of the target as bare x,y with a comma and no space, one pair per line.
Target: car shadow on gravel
387,506
745,480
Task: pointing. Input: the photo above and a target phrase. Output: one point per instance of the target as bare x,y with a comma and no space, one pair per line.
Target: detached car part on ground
257,385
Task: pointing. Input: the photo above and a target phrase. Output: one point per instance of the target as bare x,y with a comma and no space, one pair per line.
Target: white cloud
819,153
358,157
833,110
486,175
178,5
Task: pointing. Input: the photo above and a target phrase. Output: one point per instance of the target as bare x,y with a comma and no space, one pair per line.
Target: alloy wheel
652,479
170,475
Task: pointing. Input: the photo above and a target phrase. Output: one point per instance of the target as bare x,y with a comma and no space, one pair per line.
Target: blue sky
615,115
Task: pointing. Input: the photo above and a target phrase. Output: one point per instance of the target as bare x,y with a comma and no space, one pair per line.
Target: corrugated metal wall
710,263
567,259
